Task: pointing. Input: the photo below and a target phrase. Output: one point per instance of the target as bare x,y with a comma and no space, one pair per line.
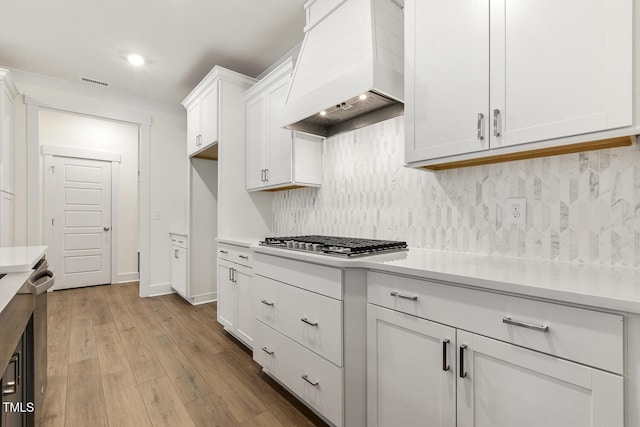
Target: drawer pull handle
243,256
445,365
224,252
510,321
265,302
266,350
399,295
463,373
309,322
313,383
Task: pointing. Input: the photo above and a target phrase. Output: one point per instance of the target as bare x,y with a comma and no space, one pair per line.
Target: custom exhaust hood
350,71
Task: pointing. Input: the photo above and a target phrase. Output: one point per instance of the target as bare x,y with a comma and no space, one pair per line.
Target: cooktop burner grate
334,245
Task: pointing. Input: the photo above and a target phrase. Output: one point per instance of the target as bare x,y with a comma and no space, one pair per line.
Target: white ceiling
181,40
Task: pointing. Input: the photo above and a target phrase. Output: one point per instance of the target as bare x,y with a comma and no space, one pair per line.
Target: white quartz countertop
611,288
245,242
16,259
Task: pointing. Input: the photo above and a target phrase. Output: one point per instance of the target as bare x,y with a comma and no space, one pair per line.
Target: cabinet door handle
399,295
12,386
265,302
462,373
539,328
266,350
175,253
233,275
262,175
309,322
480,129
224,252
313,383
230,274
445,366
199,140
243,256
496,122
266,174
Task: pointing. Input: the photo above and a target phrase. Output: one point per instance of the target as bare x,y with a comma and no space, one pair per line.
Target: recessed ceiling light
363,97
135,59
323,113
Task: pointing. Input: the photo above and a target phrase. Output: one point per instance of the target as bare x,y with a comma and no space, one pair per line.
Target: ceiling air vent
94,81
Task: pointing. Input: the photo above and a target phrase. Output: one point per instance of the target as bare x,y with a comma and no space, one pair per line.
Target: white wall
89,133
166,161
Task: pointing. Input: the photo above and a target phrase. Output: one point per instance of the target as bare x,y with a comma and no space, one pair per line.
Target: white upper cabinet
202,121
278,158
494,76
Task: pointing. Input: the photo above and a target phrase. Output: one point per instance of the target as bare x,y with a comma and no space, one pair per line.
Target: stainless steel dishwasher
39,283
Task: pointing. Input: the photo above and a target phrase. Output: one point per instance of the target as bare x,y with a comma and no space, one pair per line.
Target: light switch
156,214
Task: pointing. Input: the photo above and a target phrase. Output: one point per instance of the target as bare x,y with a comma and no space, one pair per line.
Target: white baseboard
157,290
127,277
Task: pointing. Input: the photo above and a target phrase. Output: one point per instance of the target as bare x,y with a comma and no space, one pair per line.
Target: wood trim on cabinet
290,187
541,152
210,153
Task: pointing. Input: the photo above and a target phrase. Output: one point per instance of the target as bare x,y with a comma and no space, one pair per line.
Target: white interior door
81,222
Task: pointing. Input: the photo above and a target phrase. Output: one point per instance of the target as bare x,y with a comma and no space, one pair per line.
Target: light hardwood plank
184,377
142,359
85,399
110,350
82,341
53,408
164,405
125,406
211,411
265,419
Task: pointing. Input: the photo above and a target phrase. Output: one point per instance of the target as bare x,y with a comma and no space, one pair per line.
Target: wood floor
119,360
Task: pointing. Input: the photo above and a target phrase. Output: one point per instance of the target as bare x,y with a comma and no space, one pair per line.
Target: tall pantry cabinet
218,203
8,93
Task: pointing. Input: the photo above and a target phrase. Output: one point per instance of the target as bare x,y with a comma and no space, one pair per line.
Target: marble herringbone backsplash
580,207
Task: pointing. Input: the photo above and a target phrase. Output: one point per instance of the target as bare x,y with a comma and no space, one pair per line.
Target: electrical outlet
515,211
156,214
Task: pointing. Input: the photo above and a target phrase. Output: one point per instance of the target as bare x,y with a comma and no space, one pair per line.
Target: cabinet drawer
288,361
179,240
313,277
283,307
585,336
237,254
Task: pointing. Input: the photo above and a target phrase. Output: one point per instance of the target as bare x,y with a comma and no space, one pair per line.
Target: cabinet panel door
506,386
209,103
446,77
226,296
406,381
7,158
280,139
244,304
193,128
256,141
560,67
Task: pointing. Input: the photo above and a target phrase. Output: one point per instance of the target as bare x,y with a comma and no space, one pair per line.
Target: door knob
107,228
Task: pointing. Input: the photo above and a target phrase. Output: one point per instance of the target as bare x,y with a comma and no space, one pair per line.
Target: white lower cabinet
235,289
310,334
179,263
430,371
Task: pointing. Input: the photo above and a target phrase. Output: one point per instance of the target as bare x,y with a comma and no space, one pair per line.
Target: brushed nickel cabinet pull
399,295
266,350
224,252
309,322
445,365
496,122
463,373
313,383
539,328
175,253
265,302
243,256
480,135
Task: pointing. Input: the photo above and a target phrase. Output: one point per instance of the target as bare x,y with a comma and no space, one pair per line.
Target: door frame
49,153
34,206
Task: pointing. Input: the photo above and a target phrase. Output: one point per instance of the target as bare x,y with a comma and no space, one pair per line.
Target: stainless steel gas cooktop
337,246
